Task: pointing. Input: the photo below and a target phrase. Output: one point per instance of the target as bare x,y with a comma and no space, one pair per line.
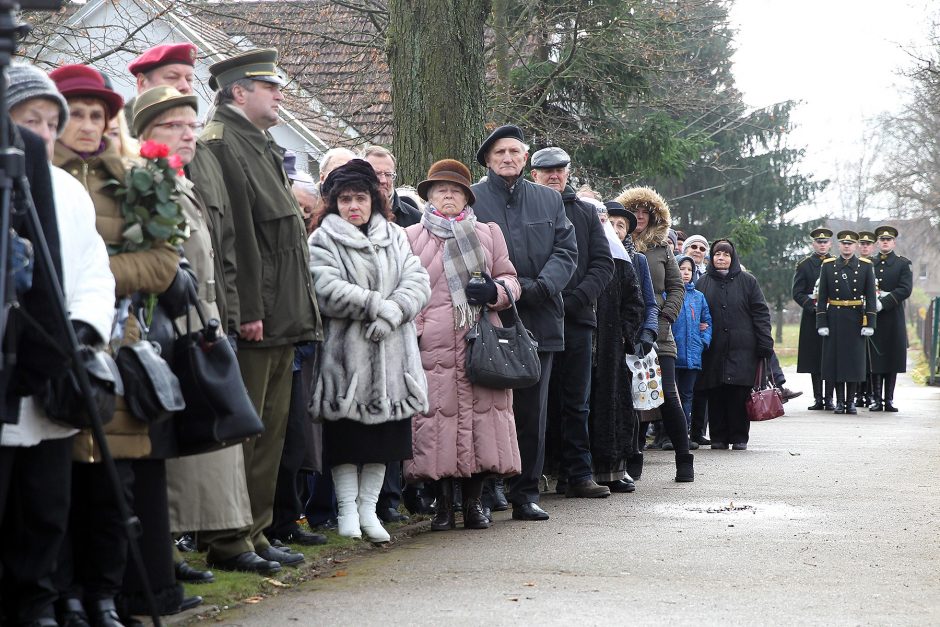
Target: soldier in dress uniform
809,357
889,345
845,318
866,249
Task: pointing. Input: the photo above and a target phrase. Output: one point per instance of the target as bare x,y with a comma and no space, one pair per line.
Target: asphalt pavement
824,520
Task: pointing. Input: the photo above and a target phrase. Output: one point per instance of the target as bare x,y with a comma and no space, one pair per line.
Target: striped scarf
463,255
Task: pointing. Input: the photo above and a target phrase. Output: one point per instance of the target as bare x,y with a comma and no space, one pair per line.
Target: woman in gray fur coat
369,287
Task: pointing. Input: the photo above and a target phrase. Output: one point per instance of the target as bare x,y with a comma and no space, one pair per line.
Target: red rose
175,162
153,150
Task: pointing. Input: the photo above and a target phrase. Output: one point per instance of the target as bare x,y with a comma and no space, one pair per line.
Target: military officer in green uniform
889,344
277,307
845,318
809,356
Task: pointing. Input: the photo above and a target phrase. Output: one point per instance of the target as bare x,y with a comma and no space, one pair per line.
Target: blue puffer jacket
690,342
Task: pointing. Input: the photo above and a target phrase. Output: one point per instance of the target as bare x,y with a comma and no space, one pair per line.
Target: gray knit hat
27,82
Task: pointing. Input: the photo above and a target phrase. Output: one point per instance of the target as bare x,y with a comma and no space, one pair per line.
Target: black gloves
765,352
481,293
645,345
533,292
181,294
86,334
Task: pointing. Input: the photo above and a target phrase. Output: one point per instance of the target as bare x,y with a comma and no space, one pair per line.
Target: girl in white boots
369,288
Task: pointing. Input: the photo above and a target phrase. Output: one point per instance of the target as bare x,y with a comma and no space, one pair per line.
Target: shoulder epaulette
905,259
800,262
213,131
830,260
865,259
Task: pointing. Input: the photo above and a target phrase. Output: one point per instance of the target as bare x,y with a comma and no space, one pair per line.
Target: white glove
878,305
867,331
823,331
378,330
391,313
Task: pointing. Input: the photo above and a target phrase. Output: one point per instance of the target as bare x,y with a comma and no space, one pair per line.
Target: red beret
164,54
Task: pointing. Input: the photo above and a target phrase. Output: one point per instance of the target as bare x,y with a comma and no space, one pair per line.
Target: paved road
835,522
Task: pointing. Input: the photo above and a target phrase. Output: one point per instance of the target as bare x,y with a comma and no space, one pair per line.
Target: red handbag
764,402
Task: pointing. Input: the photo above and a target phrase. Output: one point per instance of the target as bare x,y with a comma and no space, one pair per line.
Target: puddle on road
733,510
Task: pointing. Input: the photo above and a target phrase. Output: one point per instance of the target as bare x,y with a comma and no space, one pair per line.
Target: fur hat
354,172
27,82
449,171
646,198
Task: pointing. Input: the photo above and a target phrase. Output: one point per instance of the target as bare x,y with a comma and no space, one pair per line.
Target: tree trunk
778,335
435,53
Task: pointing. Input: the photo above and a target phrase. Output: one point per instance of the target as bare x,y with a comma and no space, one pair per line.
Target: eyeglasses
177,127
387,175
696,247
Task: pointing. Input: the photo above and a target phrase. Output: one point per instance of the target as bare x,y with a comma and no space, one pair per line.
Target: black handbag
63,401
502,357
219,412
151,390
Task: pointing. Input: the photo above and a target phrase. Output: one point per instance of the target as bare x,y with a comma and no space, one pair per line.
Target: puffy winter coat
369,382
467,429
690,341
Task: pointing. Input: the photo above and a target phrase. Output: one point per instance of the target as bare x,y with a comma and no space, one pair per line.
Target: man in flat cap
889,344
845,319
570,384
277,308
809,356
543,249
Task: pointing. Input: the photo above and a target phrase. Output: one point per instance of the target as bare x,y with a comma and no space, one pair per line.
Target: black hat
507,130
886,231
355,171
867,237
847,236
551,157
258,65
614,208
821,233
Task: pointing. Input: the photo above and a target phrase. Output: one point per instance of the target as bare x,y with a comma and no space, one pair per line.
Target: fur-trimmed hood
656,234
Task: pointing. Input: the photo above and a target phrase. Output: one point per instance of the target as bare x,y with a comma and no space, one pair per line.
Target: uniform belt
846,303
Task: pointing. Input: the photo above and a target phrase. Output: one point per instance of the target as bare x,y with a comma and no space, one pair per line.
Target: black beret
507,130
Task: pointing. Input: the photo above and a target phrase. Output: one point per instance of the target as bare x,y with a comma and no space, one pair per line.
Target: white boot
370,484
346,487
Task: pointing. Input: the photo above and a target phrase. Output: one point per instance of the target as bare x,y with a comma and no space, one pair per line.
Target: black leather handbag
151,390
64,402
219,412
502,357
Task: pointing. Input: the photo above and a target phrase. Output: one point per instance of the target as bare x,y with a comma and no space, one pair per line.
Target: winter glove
765,352
391,313
378,330
867,331
86,334
823,331
645,345
533,292
879,305
481,293
178,298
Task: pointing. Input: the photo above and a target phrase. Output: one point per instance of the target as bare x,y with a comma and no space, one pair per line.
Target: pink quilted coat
467,429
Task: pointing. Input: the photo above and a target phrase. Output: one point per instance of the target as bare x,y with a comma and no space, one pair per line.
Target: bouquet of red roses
149,201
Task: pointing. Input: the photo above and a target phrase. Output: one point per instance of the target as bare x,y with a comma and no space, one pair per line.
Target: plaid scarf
463,255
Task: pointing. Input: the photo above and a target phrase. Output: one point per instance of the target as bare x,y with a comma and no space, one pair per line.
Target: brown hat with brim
447,171
154,102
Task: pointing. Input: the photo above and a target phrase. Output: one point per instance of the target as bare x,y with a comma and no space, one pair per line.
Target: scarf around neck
463,255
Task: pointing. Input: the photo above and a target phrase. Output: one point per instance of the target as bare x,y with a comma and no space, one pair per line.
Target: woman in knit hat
468,432
369,287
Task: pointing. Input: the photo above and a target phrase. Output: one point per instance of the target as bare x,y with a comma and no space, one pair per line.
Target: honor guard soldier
866,245
866,249
895,280
845,317
809,356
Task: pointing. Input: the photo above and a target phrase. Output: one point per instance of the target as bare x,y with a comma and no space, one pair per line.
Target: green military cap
152,103
886,231
258,65
866,237
821,233
848,236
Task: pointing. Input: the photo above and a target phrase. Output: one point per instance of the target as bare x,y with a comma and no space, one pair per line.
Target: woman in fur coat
469,431
369,287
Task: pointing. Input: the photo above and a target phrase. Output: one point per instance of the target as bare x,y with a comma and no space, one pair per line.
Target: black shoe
685,472
391,515
274,554
889,406
817,406
693,445
500,504
561,486
528,511
587,489
829,406
786,394
700,439
473,515
719,446
188,574
247,562
330,524
46,621
620,486
739,447
71,613
299,536
189,603
186,544
104,614
667,446
443,505
840,408
876,406
850,408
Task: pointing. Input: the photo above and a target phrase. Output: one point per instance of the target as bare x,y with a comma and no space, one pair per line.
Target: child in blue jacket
693,333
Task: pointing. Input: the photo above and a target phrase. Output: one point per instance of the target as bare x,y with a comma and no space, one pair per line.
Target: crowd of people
349,301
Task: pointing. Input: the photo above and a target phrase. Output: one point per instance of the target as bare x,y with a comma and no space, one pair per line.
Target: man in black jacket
570,386
384,163
543,249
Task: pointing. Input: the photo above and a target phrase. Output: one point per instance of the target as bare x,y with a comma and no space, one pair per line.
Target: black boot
71,613
635,465
850,399
444,506
876,404
828,387
684,470
840,398
890,381
104,614
473,515
500,504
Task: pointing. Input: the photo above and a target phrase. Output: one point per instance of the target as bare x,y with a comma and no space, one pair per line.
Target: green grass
786,350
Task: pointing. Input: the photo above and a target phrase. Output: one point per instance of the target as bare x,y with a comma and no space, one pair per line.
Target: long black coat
620,314
541,244
888,350
844,348
740,327
809,357
595,265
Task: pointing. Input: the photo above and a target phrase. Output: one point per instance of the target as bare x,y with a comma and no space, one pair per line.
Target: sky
841,59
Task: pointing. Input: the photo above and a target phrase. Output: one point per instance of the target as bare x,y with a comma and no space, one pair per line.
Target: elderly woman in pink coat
469,432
